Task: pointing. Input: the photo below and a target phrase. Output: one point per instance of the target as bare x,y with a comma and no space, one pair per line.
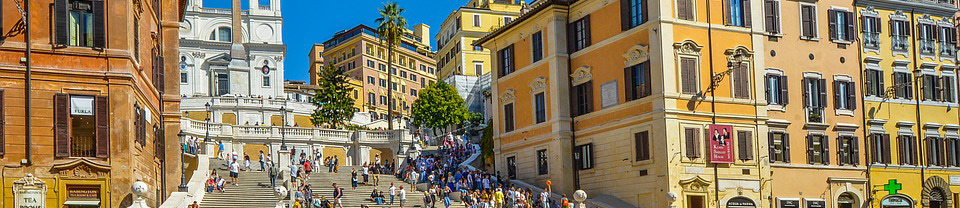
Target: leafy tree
439,106
486,143
391,29
334,105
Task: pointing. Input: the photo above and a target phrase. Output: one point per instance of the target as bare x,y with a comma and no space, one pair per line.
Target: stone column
283,160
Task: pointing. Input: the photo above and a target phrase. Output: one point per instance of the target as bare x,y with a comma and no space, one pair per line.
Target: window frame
778,15
543,162
815,20
642,143
584,157
509,119
784,151
477,20
536,46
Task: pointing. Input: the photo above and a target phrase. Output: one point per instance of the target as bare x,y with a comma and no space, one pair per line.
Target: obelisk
239,68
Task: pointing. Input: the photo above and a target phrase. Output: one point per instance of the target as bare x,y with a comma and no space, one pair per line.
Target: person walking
393,192
366,174
403,196
273,175
235,173
246,162
336,164
222,154
353,179
261,161
337,195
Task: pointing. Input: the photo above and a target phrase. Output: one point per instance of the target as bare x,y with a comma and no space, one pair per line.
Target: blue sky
314,21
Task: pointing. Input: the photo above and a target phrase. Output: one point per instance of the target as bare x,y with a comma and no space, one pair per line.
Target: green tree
439,106
334,105
486,145
391,29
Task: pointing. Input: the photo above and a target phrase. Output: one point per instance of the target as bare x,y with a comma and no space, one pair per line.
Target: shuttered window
949,89
637,81
932,89
506,59
741,81
81,132
844,95
542,163
874,83
632,13
818,149
935,151
688,76
642,145
776,87
907,149
880,148
584,156
692,142
508,115
808,21
779,147
578,34
842,25
904,85
745,145
582,98
80,23
685,10
737,13
848,150
952,152
512,167
771,16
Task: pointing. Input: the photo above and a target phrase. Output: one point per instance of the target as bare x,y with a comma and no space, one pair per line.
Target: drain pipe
866,129
916,97
27,87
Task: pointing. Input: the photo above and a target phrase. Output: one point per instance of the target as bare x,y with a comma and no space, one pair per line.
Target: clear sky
314,21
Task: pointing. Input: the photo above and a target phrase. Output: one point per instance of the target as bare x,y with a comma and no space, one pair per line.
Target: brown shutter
682,7
575,101
690,137
851,26
647,81
747,17
784,90
771,149
99,28
748,137
806,20
885,150
823,93
62,14
841,154
628,84
3,124
589,96
836,94
103,126
810,149
688,75
624,15
806,91
61,125
727,16
825,150
786,144
832,19
855,154
586,28
852,95
769,18
571,37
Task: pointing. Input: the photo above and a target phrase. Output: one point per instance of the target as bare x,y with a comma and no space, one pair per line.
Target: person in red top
307,167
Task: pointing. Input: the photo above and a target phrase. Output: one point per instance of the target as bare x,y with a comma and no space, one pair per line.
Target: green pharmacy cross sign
893,186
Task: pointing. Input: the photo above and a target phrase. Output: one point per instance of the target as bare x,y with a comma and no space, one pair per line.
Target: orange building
100,116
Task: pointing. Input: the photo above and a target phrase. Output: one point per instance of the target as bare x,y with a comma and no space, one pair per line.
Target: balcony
901,43
871,40
927,46
266,134
948,50
273,104
815,115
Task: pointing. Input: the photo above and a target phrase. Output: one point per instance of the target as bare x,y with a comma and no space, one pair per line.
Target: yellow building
455,55
316,62
616,98
359,53
810,78
910,103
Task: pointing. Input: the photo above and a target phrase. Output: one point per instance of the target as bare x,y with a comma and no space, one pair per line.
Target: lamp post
283,119
183,167
206,137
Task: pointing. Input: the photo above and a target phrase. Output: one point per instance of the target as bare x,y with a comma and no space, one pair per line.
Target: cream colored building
455,54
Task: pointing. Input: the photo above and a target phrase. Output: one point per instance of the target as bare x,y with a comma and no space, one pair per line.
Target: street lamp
183,167
206,137
283,119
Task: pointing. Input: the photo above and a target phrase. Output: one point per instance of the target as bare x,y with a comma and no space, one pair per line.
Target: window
582,98
880,148
926,33
949,86
512,167
458,23
935,151
932,90
779,147
506,61
540,107
642,145
413,92
745,145
848,150
844,95
952,152
875,86
413,77
689,83
900,32
136,39
478,68
371,80
184,78
579,34
771,16
478,48
542,162
356,94
508,122
383,82
476,20
372,98
637,80
139,124
776,88
842,25
383,100
264,4
371,64
741,80
266,81
871,31
903,85
81,126
223,84
907,149
818,149
393,70
738,13
808,21
583,156
948,41
80,23
632,13
537,46
403,73
685,10
507,20
691,137
224,34
815,98
383,68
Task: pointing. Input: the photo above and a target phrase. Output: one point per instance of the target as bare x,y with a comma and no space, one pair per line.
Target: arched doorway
740,202
847,200
937,198
936,193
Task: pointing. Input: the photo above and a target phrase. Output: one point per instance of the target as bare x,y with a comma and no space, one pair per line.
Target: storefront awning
82,202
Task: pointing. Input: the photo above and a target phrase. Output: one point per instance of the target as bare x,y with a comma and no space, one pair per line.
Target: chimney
423,31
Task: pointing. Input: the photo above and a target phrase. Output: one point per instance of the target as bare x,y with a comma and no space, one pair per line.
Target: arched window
847,200
222,34
938,198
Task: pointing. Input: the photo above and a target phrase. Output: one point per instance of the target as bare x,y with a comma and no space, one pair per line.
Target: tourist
221,154
353,179
235,173
246,162
261,161
403,196
336,164
393,192
194,205
366,171
379,198
273,175
337,195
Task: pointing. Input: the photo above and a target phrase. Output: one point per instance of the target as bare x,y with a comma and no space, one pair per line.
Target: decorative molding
696,184
81,168
935,186
926,19
199,55
687,47
898,15
870,12
539,84
508,96
278,58
636,55
582,75
740,51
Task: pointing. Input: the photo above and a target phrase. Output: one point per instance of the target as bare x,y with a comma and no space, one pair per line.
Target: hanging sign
81,105
721,144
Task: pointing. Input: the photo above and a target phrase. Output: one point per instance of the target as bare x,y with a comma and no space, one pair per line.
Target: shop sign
81,105
740,202
83,192
789,203
721,144
816,204
955,180
29,192
895,201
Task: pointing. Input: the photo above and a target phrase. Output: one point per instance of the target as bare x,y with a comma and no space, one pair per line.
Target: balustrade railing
218,130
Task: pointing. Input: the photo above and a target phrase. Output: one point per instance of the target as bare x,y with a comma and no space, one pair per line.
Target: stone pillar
283,160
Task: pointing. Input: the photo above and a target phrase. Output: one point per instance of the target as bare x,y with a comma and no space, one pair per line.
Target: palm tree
391,29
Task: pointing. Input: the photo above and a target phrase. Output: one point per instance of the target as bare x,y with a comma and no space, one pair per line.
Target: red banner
721,143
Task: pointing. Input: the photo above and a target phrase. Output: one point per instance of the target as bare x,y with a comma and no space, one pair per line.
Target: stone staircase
248,195
322,184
